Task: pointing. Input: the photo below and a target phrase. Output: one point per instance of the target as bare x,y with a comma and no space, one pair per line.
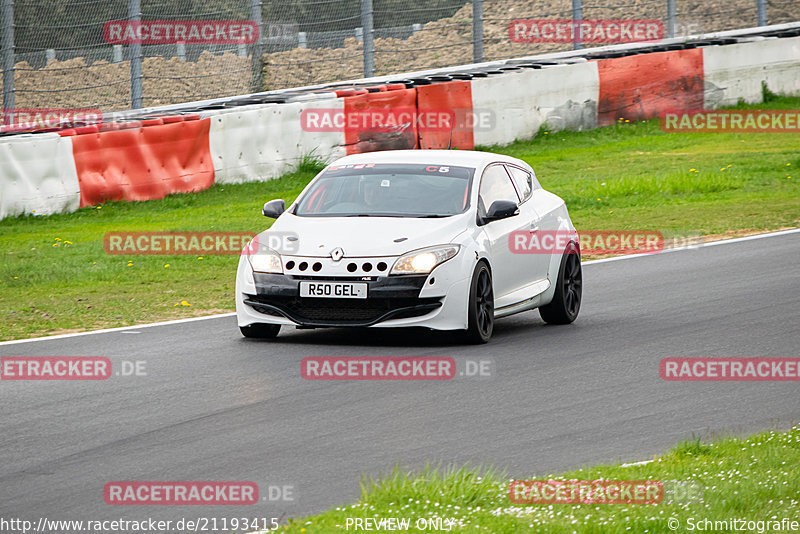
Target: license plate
334,290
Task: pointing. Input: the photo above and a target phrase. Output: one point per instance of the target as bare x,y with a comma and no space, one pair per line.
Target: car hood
366,236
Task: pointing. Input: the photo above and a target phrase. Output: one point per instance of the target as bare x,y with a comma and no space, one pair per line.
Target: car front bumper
437,300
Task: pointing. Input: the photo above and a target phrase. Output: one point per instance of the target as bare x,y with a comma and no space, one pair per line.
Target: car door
507,276
536,262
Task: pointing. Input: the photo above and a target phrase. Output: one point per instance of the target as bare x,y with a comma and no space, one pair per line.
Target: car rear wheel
260,331
481,305
566,302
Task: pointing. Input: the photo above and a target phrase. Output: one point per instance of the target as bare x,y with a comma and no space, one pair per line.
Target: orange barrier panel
380,121
451,101
143,163
644,85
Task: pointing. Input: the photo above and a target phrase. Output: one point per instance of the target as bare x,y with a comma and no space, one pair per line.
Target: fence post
577,18
7,28
672,18
134,16
761,5
257,61
302,40
369,43
477,31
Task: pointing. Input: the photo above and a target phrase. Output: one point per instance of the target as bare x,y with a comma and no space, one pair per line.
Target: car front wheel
566,302
481,305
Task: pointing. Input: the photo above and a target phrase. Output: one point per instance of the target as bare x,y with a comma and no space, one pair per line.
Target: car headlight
264,260
424,260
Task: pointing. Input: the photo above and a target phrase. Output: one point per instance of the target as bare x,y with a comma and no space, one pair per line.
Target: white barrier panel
37,175
261,142
736,71
563,97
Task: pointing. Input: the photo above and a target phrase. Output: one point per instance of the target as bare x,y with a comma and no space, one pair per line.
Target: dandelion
58,239
16,278
692,170
99,207
199,257
182,303
67,242
94,263
788,164
166,265
611,211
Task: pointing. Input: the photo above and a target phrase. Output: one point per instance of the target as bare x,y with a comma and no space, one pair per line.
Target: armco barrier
563,97
37,175
737,71
642,86
249,138
260,142
142,163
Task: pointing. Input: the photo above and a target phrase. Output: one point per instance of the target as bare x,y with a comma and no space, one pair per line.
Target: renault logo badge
337,254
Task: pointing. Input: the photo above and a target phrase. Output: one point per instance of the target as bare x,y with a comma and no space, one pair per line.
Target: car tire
566,303
260,331
480,306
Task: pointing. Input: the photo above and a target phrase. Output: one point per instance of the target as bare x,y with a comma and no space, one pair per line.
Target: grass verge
56,278
753,479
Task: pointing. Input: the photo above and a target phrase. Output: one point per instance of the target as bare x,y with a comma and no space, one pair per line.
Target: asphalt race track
214,406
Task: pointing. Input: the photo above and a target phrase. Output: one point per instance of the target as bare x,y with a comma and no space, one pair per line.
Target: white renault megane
412,238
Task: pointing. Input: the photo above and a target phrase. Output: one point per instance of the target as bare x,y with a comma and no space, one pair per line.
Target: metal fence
54,53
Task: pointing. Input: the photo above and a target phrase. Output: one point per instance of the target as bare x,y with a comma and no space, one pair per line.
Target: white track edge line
118,329
217,316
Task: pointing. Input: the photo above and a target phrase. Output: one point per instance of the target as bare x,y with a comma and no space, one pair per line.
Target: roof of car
466,158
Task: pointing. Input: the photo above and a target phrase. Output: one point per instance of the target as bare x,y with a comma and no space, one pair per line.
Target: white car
412,238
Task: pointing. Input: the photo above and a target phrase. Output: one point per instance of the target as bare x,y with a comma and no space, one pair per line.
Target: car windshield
387,190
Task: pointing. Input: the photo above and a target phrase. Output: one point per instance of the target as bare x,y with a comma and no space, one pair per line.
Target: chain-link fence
57,53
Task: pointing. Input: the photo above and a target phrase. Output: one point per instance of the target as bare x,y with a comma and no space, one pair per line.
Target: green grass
755,479
631,176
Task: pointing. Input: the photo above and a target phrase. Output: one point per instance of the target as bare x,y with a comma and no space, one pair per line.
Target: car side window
523,181
495,185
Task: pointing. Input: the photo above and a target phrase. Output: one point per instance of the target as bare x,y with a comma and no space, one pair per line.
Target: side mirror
501,209
274,208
